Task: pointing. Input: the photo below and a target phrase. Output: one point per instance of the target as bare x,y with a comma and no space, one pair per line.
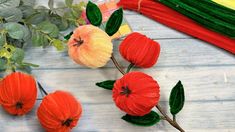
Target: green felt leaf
106,84
11,14
114,22
177,98
15,30
58,44
67,37
27,11
9,3
147,120
69,2
48,28
18,55
36,18
93,14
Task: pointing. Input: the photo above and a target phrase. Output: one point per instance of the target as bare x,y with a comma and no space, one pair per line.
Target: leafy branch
22,23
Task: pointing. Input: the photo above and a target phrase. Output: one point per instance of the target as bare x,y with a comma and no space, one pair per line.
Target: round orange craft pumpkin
90,46
18,92
59,112
136,93
140,50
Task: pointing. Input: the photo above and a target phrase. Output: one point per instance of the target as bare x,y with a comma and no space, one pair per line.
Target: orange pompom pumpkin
59,112
18,92
90,46
140,50
136,93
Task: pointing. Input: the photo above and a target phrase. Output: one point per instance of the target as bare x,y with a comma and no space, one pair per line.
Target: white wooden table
207,72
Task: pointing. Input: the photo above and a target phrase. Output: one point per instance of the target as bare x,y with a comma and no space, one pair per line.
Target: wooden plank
218,116
175,52
201,83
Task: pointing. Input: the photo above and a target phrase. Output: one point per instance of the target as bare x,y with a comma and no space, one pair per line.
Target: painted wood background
207,72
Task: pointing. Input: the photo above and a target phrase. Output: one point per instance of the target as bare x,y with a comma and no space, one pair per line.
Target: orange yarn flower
140,50
136,93
18,92
59,112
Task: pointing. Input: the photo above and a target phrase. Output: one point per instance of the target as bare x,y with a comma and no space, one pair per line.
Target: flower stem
168,119
42,89
117,64
129,67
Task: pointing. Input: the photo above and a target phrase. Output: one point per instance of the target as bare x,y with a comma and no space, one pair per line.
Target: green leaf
48,28
177,98
69,2
15,30
67,37
18,55
106,84
114,22
27,11
39,39
2,40
51,4
58,44
147,120
3,64
9,3
36,18
28,2
93,14
11,14
60,22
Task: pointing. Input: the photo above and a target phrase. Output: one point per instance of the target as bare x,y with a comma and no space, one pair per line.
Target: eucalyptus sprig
23,23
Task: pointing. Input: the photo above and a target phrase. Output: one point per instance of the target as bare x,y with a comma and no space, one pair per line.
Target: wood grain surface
207,72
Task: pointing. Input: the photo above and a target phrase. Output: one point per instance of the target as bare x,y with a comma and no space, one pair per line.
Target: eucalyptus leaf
48,28
147,120
114,22
11,14
3,64
69,2
2,40
36,18
37,38
177,98
106,84
51,4
18,55
9,3
58,44
27,11
28,2
93,14
15,30
60,22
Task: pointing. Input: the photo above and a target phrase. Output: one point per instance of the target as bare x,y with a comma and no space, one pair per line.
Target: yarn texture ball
136,93
59,112
18,93
90,46
140,50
